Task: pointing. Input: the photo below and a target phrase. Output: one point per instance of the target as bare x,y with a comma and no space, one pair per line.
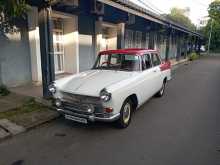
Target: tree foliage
214,10
180,16
10,11
214,21
215,40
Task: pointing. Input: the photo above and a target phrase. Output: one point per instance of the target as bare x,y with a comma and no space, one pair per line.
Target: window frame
97,61
138,39
129,38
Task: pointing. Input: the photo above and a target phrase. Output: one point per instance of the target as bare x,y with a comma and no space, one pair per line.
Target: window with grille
129,39
138,39
58,44
147,40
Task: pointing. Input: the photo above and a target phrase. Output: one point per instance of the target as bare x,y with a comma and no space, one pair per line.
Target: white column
98,33
71,45
76,42
121,35
34,42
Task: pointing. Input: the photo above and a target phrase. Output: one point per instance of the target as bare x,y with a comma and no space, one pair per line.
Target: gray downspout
168,44
121,36
185,47
1,33
178,47
50,46
199,47
0,70
191,44
196,45
46,48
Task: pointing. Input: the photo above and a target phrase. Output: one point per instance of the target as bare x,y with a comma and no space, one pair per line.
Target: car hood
91,82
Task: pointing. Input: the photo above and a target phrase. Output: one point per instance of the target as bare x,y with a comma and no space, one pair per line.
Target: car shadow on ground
90,125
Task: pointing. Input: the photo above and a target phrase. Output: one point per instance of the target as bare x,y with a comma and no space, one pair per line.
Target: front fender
120,92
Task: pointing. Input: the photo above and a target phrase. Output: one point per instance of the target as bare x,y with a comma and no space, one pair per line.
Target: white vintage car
119,82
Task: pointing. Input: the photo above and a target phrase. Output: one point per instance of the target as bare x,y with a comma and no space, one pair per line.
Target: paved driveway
182,128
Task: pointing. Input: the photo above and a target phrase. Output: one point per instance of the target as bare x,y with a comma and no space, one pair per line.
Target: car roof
132,51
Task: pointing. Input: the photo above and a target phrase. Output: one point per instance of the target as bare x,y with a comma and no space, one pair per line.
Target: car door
156,62
146,80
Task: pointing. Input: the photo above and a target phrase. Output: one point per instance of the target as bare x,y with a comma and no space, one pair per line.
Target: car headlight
58,103
105,95
52,88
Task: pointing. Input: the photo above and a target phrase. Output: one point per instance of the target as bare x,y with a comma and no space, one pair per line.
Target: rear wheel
125,114
160,93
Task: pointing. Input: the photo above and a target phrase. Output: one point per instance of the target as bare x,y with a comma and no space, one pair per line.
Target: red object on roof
132,51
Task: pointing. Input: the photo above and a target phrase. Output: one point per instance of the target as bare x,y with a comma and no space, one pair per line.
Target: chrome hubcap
162,90
126,113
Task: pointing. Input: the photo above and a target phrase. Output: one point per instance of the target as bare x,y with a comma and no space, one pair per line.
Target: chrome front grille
81,104
76,107
80,98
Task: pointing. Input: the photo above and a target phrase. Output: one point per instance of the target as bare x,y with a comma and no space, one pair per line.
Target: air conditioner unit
97,7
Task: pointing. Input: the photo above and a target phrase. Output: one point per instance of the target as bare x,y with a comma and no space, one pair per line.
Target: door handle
155,71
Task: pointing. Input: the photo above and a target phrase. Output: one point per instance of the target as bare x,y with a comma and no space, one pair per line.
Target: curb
7,132
43,121
28,121
180,63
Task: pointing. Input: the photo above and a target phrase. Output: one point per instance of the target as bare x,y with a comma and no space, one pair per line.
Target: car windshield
123,62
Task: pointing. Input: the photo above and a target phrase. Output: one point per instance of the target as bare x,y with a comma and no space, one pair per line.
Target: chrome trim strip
91,117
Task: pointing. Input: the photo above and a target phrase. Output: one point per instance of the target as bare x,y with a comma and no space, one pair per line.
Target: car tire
160,93
125,114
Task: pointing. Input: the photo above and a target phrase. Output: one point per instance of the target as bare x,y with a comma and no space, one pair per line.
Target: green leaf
12,9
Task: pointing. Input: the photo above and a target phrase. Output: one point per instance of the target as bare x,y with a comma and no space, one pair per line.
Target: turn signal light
108,110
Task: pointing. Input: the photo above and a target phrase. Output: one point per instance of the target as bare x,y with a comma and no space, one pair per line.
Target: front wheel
125,114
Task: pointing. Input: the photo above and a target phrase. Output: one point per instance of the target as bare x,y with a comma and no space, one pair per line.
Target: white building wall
15,58
71,47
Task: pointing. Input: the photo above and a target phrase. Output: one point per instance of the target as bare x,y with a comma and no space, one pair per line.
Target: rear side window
146,62
155,59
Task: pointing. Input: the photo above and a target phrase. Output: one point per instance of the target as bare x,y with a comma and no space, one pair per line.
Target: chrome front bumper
91,117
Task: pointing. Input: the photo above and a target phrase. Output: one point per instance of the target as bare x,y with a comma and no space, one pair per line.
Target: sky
198,8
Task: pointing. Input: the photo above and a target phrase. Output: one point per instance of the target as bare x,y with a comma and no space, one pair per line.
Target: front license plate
77,119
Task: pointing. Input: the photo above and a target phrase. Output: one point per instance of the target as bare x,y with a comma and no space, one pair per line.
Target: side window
155,59
103,60
146,62
115,59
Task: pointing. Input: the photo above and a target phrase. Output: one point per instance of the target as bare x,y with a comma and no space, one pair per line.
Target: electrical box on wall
97,7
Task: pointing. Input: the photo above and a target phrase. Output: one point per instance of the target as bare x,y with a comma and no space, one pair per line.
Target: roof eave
139,11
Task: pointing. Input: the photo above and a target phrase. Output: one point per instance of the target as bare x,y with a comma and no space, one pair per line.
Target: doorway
65,44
